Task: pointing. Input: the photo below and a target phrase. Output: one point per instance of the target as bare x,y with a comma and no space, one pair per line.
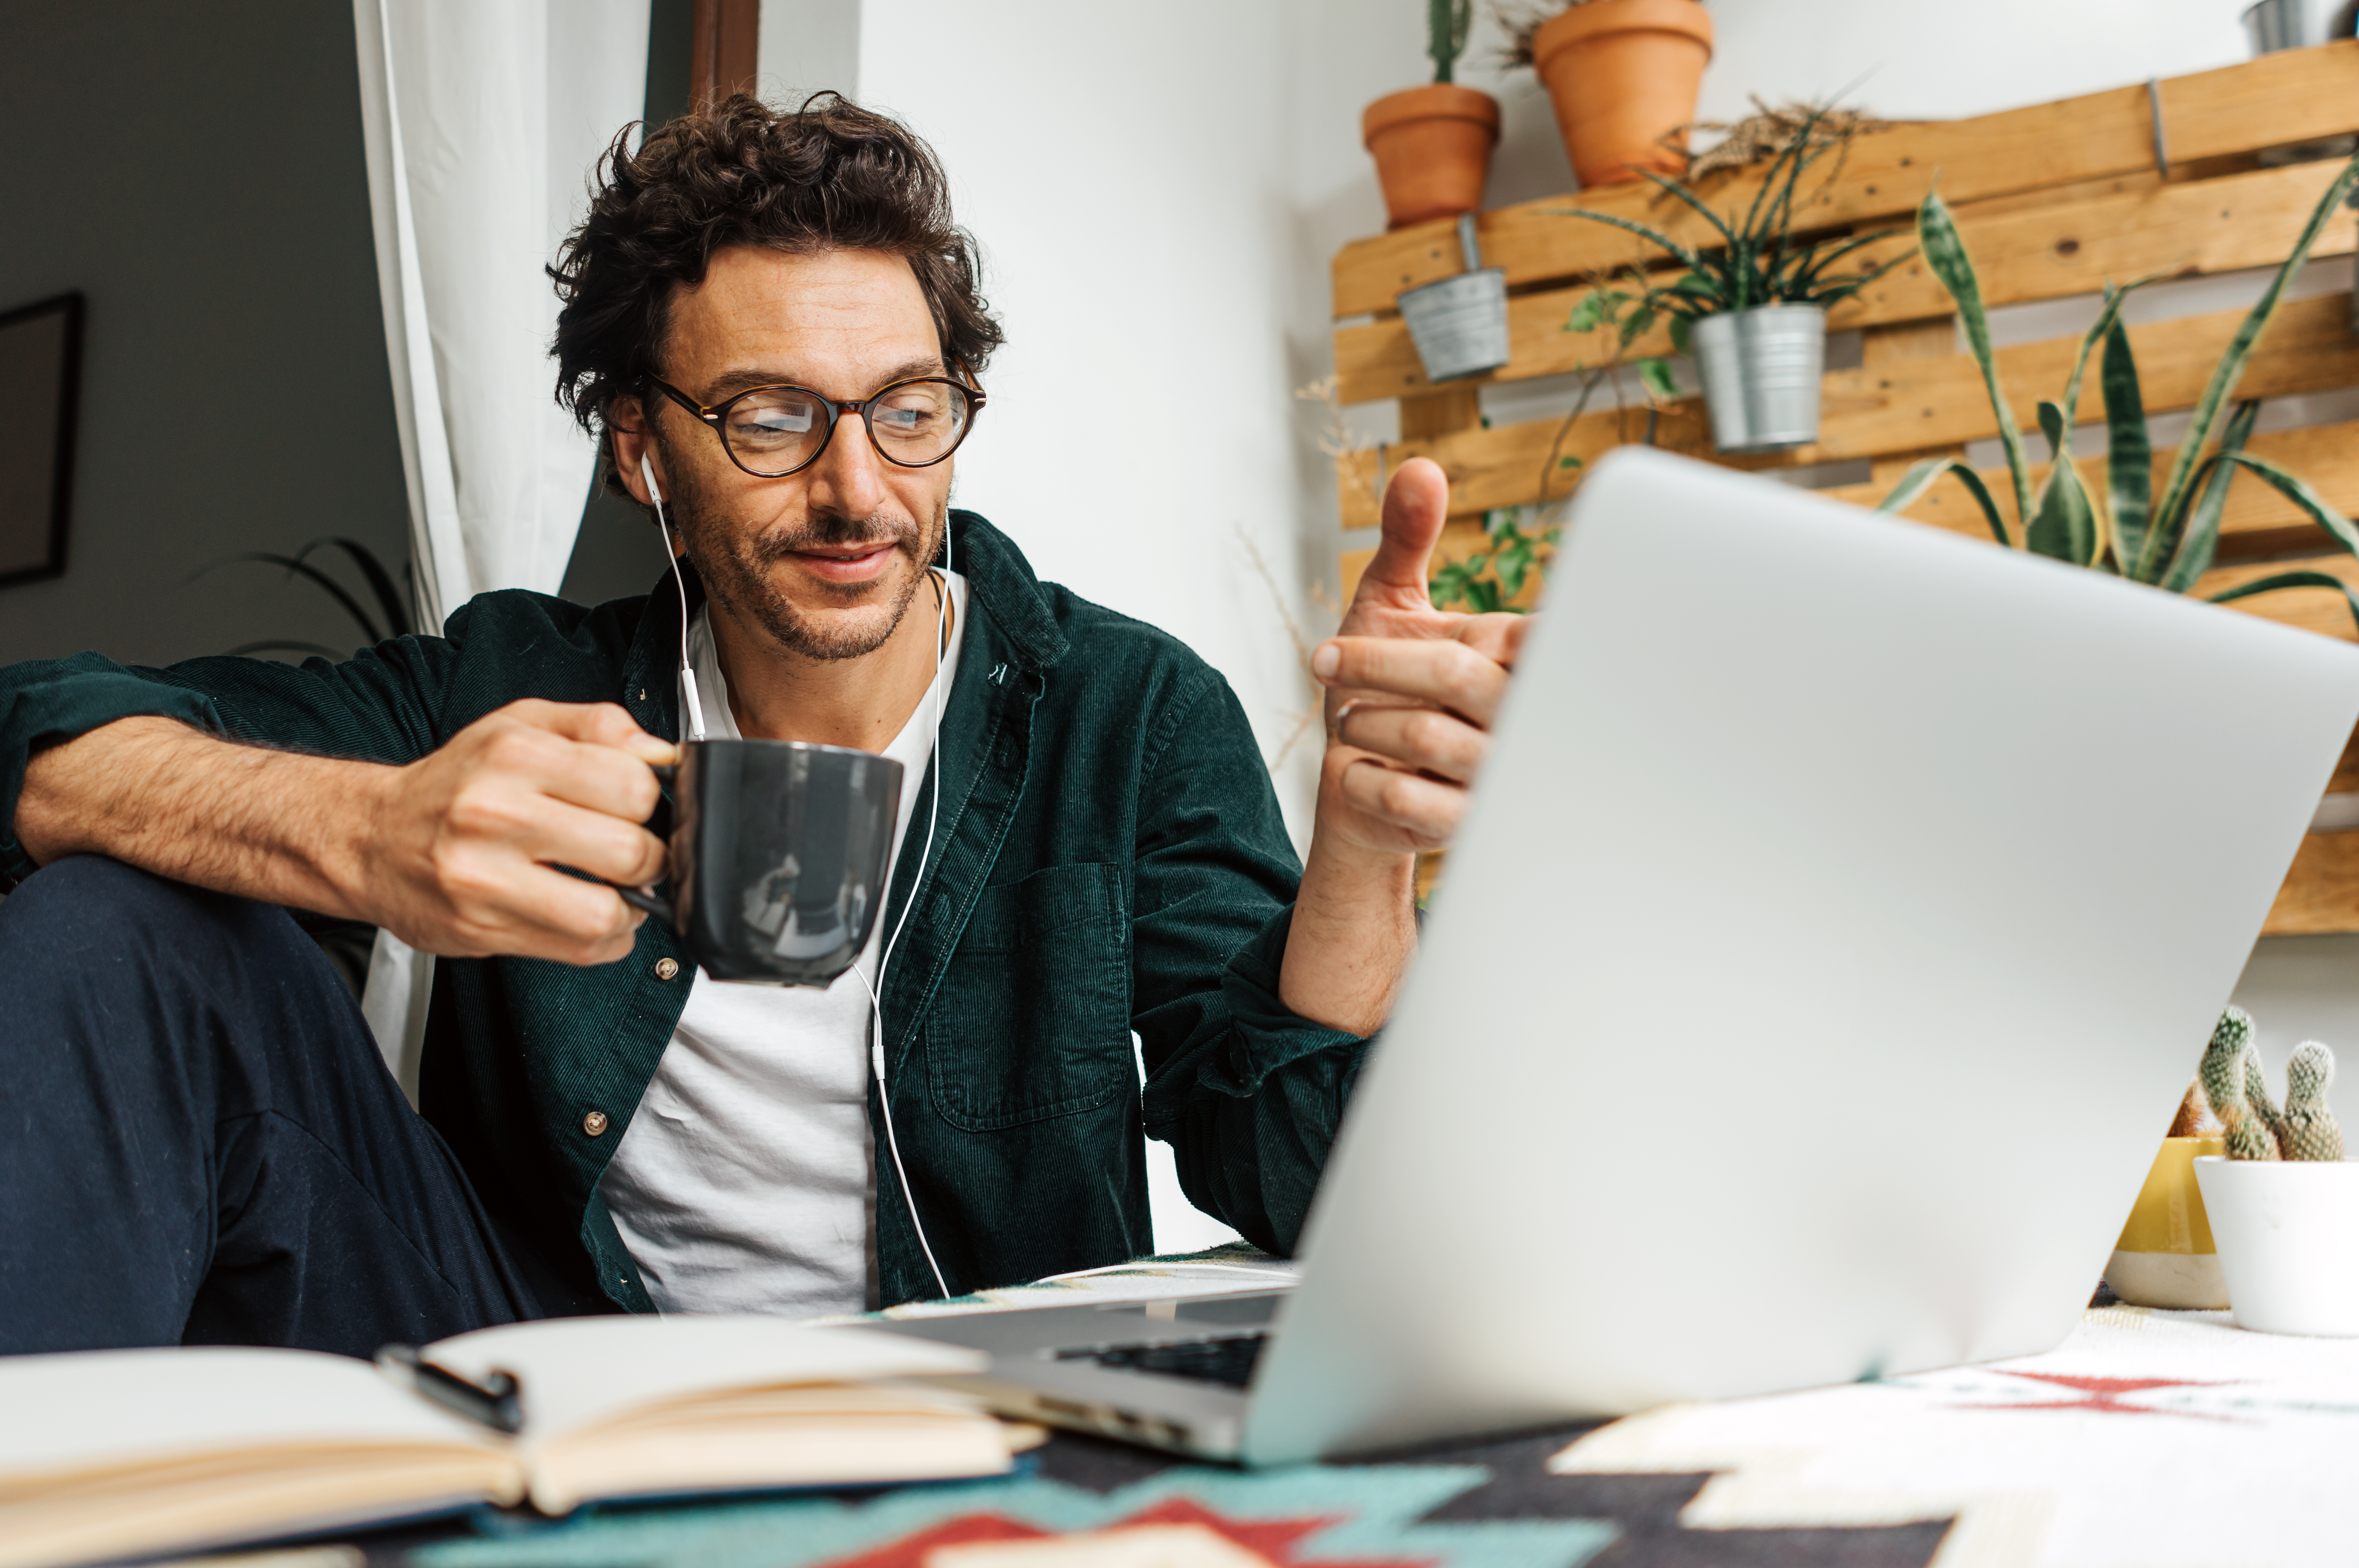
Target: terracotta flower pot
1624,74
1433,147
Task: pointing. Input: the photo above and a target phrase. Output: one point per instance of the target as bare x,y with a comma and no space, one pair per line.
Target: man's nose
849,477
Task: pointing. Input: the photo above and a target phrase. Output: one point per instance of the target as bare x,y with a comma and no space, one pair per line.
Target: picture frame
40,387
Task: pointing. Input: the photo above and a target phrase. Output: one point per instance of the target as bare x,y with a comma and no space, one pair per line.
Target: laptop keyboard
1229,1360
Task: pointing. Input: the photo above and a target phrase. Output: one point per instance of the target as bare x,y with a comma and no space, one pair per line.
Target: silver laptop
1838,921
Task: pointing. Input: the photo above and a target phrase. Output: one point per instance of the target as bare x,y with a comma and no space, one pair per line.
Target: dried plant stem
1308,717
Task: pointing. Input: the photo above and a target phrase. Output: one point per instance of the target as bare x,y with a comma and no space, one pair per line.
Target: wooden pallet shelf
2053,202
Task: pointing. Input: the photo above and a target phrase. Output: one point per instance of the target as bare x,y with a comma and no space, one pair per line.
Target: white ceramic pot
2288,1231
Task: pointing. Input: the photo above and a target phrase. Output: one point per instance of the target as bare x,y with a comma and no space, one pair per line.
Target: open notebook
114,1453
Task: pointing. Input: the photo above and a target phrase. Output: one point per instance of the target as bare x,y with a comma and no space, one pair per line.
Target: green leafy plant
1757,261
1485,582
1515,554
393,606
1632,314
2168,539
1447,23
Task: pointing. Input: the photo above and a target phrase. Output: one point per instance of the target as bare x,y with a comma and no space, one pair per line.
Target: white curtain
483,120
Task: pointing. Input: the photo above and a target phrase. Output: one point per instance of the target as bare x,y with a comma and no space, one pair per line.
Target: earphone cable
876,992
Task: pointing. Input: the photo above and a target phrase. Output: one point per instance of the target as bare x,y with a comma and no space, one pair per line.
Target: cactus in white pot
2284,1206
2231,1081
2308,1130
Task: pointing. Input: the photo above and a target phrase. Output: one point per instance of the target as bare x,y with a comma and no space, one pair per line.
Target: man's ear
627,442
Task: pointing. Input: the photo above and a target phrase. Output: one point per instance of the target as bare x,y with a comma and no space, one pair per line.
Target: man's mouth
858,562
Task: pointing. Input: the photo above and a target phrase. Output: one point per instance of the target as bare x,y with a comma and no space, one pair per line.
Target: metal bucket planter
1459,324
2275,24
1761,370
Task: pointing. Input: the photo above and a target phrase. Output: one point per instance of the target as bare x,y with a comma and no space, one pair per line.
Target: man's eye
775,421
905,419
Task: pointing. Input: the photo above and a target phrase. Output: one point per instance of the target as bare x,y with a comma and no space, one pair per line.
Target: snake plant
2166,541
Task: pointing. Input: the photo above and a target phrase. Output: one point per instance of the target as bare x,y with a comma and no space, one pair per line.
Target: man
774,317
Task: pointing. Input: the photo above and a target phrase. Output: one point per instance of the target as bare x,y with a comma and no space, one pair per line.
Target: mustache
838,533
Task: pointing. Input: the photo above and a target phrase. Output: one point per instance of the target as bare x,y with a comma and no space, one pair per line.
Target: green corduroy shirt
1109,857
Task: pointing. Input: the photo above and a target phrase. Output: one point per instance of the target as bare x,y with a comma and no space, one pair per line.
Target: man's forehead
849,316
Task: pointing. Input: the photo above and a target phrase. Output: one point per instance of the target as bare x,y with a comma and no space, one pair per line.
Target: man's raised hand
1411,691
468,836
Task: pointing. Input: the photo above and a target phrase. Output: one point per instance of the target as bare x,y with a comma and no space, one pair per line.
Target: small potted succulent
1623,76
2283,1202
1432,145
1752,303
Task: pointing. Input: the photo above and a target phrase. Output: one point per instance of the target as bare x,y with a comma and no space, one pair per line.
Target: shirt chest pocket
1033,1018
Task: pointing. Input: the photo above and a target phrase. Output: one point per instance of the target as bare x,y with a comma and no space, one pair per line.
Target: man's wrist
350,859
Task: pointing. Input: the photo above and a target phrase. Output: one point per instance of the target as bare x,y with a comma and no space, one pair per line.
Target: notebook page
91,1408
578,1371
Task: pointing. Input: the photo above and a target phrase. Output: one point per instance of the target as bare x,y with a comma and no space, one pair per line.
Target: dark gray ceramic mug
779,851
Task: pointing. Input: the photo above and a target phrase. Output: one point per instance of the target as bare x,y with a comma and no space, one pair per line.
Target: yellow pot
2164,1257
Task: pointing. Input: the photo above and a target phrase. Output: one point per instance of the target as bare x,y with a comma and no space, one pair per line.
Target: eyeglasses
772,431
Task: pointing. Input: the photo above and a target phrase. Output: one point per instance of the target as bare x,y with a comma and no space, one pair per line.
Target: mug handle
640,898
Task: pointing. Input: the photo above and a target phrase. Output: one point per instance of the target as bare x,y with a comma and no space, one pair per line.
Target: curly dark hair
829,176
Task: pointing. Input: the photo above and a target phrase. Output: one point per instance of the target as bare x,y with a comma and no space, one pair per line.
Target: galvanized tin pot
2275,24
1459,324
1761,371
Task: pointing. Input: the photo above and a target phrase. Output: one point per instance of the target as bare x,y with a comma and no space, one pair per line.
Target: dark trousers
199,1143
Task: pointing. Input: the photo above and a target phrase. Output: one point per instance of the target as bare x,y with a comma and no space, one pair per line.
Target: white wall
1921,60
1123,169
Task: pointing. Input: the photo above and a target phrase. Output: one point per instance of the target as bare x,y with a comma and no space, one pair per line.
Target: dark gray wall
618,552
197,171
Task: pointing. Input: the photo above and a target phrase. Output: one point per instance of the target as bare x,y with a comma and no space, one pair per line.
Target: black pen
496,1402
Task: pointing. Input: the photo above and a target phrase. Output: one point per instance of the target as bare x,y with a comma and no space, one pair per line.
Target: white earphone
690,704
693,710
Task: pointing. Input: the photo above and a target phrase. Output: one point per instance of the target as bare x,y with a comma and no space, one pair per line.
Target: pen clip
496,1402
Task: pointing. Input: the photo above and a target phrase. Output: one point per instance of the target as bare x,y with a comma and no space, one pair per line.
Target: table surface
2148,1439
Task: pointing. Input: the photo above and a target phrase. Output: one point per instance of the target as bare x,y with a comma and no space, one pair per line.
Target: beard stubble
735,570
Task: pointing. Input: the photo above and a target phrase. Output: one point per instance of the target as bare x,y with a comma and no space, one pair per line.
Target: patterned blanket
2148,1440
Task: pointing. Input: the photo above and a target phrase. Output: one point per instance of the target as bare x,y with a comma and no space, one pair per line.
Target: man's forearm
1353,932
152,793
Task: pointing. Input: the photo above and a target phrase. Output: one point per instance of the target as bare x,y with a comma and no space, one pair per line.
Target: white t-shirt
746,1182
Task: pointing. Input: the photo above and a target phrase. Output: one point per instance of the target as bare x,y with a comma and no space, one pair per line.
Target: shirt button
666,967
594,1122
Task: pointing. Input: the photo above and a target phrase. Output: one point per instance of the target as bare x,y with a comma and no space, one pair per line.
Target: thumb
1416,502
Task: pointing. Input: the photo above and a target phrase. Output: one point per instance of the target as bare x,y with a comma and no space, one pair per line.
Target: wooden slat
2321,892
2293,95
1875,411
1459,540
2320,610
2256,521
1439,413
2043,253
